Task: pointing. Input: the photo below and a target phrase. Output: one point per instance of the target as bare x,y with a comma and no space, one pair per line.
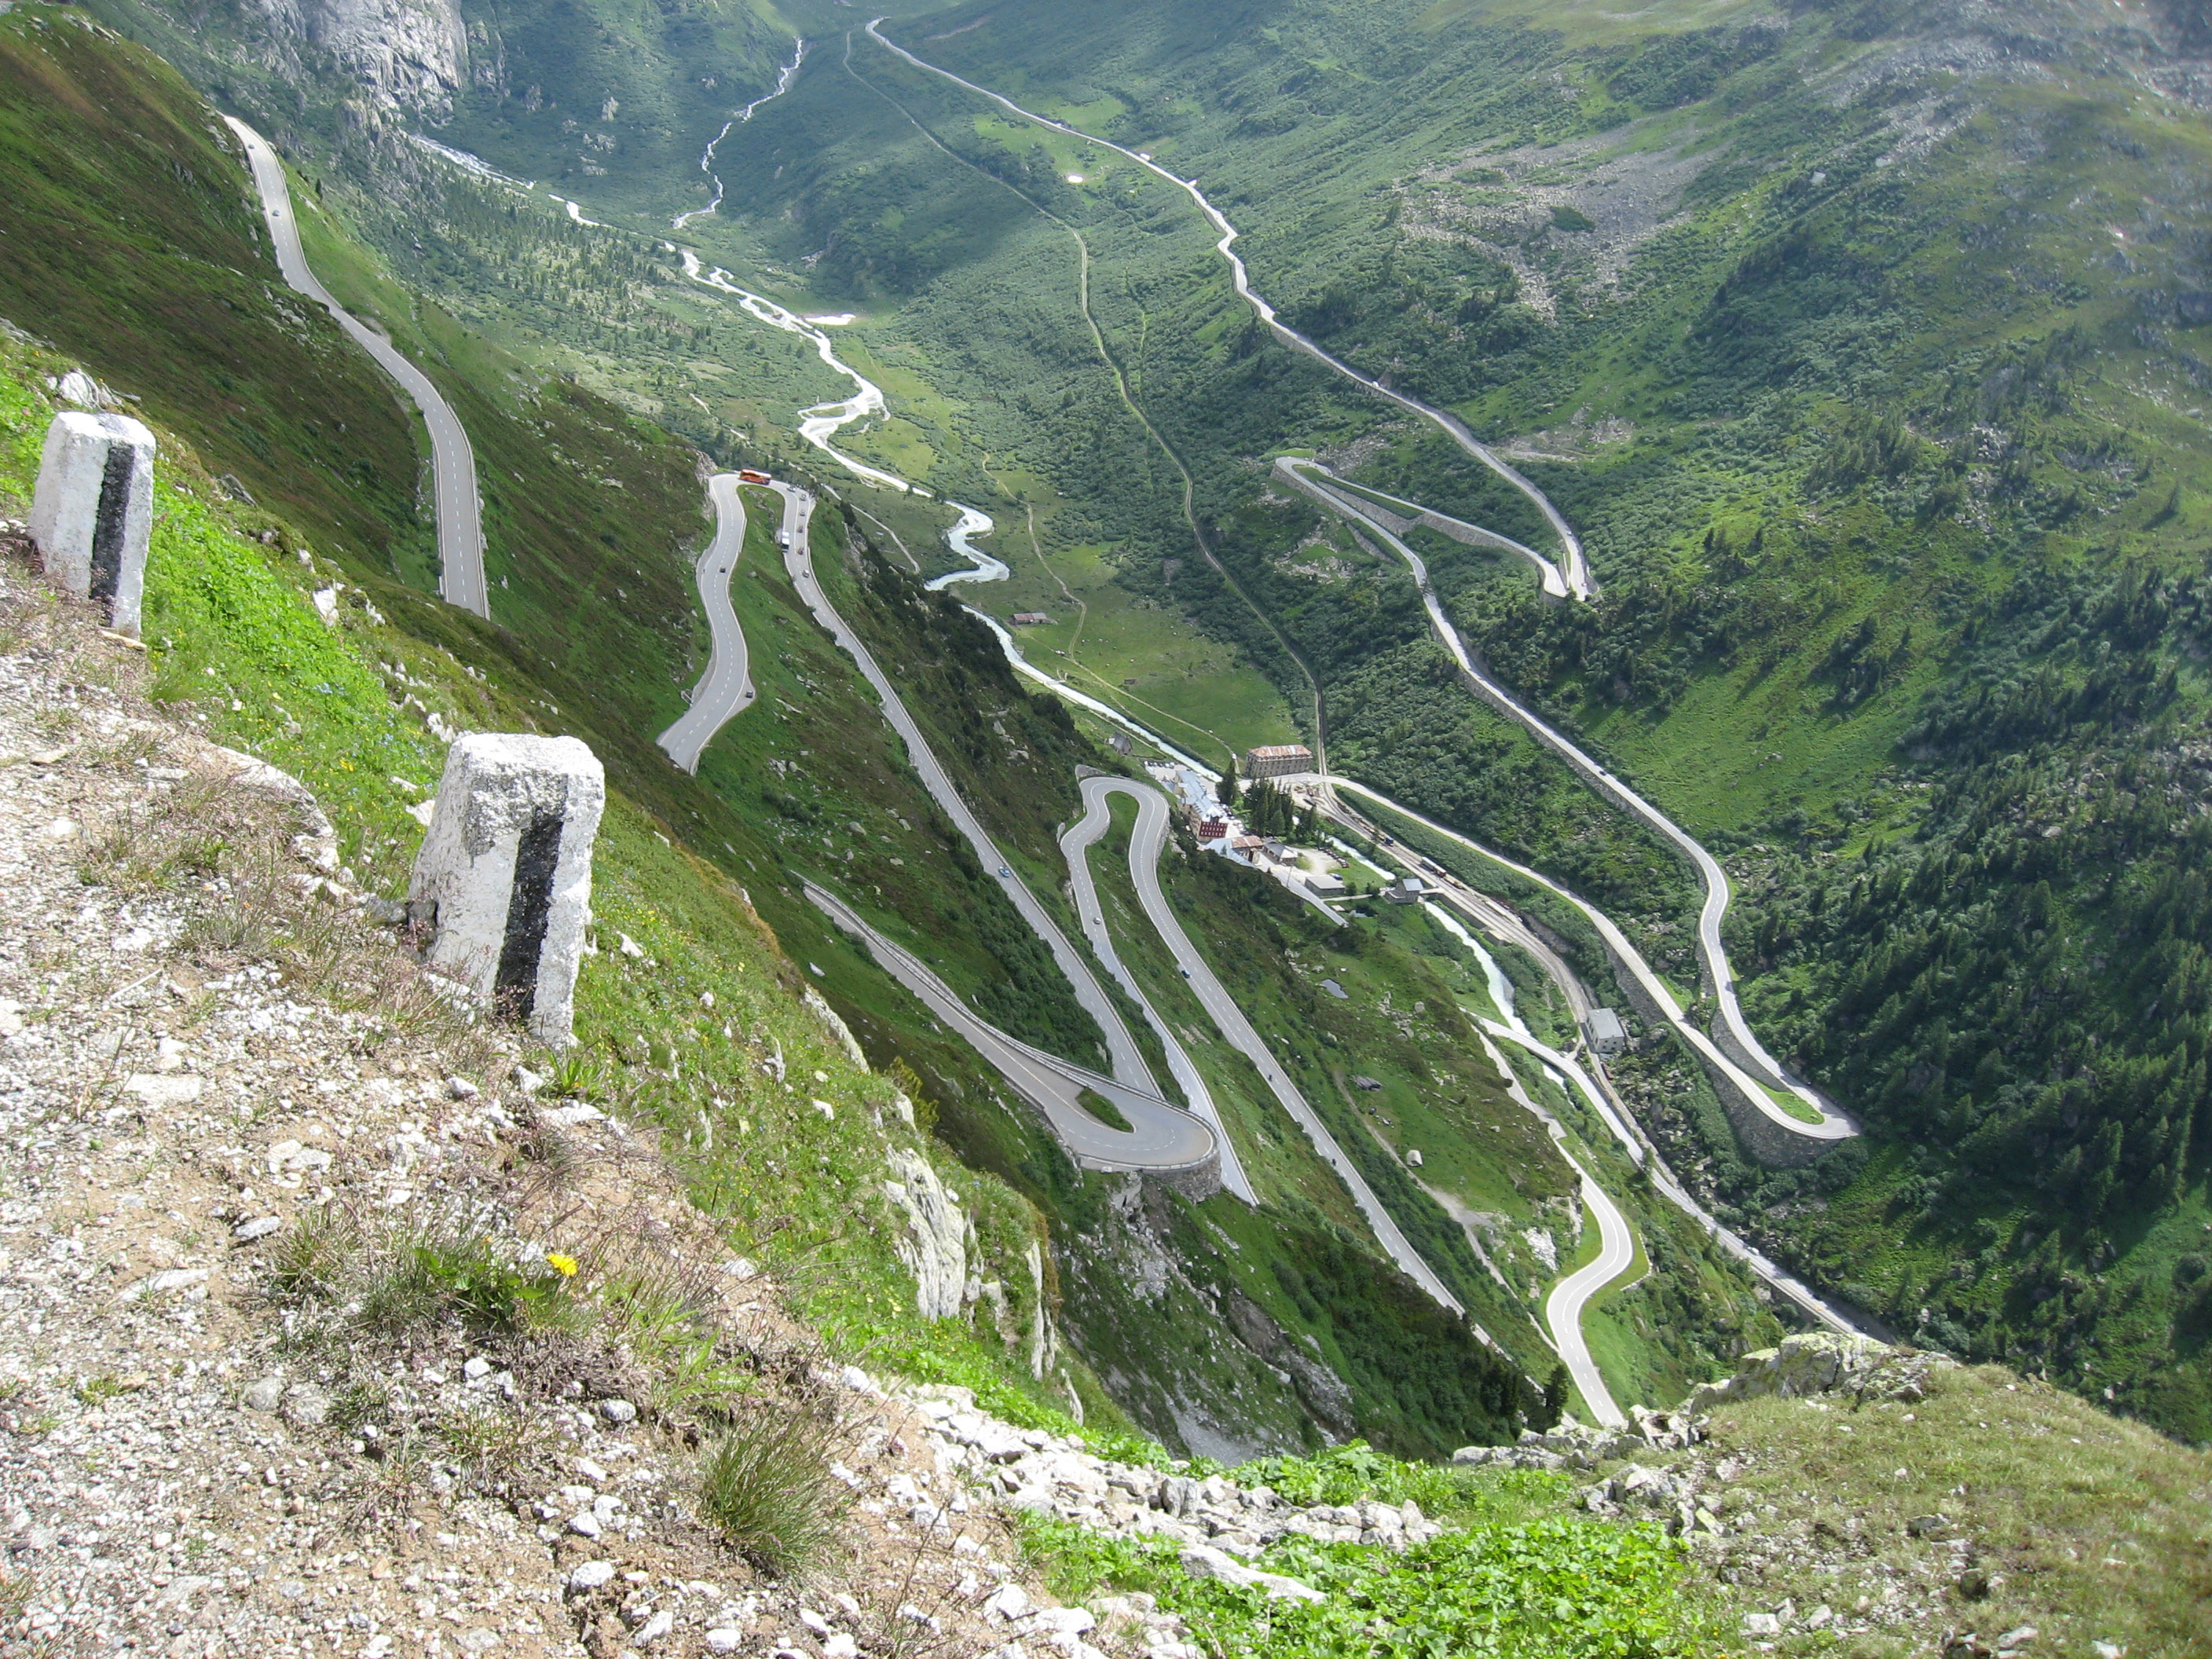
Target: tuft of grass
496,1446
442,1268
306,1261
467,1277
767,1486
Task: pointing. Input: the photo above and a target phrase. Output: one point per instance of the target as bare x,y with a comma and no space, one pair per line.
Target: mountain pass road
726,690
461,513
1563,1309
1143,867
1146,845
1128,1060
1159,1137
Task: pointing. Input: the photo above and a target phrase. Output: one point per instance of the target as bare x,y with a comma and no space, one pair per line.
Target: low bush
767,1485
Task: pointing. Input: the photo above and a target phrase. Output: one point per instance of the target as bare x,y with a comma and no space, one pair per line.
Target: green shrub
469,1279
1346,1473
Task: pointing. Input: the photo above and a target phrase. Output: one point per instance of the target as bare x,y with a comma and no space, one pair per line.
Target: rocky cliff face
412,53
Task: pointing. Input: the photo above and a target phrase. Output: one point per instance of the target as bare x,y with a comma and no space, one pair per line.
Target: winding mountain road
1575,569
1127,1061
453,464
1563,1308
1160,1138
1502,922
1144,849
1462,896
1570,574
1467,535
1832,1125
1146,842
726,689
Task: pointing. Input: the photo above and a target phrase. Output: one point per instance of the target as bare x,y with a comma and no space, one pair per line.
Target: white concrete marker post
94,510
505,874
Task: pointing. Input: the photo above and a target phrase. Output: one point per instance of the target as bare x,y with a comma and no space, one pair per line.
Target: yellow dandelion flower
563,1265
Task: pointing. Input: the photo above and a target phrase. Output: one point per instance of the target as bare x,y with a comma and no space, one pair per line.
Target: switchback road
1146,842
1146,845
1832,1124
1128,1062
1576,570
460,511
726,690
1563,1309
1160,1139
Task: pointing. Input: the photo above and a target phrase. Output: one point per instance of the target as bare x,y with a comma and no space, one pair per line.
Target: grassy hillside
589,533
1861,346
1215,1327
1863,384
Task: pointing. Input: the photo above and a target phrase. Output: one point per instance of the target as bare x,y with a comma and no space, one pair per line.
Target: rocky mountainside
411,54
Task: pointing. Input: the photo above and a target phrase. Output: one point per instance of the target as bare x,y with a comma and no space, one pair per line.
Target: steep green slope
624,314
128,234
702,872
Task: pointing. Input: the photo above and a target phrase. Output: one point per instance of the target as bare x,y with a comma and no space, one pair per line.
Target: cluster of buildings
1308,872
1311,873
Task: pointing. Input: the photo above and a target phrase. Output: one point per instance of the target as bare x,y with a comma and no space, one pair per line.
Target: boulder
1203,1561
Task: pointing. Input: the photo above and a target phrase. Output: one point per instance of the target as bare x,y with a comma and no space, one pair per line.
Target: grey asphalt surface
1502,922
726,689
1312,474
1160,1136
1563,1308
1462,898
1146,844
1128,1061
460,511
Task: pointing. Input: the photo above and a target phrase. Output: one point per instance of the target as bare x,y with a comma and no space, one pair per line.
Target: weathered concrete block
504,873
95,509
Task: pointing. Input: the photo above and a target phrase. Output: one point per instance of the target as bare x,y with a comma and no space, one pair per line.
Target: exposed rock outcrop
1053,1475
412,53
1823,1362
937,1230
1815,1362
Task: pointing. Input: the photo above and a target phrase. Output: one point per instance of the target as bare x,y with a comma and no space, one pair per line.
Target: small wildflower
563,1265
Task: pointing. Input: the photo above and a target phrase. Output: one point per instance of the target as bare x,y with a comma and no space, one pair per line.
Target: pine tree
1226,789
